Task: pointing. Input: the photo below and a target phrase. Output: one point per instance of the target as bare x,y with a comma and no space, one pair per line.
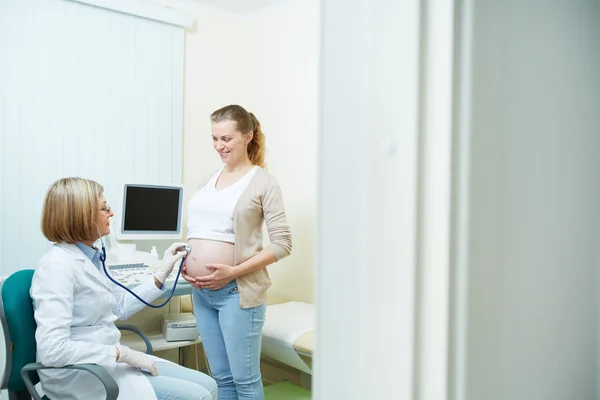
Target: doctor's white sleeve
127,304
52,291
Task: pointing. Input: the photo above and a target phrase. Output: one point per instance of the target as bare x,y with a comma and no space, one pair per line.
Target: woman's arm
280,236
260,260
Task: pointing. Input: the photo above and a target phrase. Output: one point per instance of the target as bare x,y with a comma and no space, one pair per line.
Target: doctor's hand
136,359
168,261
222,274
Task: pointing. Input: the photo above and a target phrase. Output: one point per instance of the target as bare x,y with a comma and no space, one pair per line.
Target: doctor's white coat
76,306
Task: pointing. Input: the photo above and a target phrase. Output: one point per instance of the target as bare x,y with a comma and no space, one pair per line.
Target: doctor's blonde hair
70,210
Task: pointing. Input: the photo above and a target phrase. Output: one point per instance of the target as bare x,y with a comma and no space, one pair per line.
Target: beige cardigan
260,201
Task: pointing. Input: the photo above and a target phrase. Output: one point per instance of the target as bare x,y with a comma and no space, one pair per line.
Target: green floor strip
286,391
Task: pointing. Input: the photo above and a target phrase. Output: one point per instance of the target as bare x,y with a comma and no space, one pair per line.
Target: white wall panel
84,91
367,200
528,267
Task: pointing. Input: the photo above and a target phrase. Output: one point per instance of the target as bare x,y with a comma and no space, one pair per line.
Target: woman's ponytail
256,147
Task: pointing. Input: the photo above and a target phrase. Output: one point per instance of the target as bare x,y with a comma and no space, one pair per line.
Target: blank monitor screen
151,210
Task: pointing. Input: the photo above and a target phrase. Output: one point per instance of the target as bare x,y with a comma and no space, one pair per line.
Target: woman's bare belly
207,252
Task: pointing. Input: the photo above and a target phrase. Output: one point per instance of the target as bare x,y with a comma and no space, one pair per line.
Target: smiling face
230,144
103,216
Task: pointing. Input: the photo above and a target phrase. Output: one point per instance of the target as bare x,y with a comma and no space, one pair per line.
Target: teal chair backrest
19,328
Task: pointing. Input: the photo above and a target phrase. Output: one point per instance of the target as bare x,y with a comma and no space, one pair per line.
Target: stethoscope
185,248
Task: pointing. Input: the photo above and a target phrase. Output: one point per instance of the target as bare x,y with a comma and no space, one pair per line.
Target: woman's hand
192,281
222,274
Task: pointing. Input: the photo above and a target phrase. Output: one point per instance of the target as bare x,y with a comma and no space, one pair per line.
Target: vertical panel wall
84,91
367,200
530,263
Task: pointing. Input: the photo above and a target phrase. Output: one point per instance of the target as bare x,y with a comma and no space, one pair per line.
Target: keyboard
136,273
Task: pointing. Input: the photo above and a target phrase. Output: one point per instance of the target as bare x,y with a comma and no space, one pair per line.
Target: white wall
433,282
367,199
531,266
212,79
280,74
81,105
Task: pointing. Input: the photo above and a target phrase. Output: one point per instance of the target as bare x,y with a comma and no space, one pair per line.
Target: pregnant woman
228,263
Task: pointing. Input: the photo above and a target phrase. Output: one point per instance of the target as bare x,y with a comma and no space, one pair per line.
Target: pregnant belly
207,252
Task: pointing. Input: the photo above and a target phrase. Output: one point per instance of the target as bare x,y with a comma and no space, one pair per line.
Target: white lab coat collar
88,265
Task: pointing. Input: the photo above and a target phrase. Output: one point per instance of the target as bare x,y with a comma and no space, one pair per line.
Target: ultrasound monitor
150,212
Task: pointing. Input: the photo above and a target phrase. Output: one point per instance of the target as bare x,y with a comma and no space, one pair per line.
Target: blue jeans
175,382
231,336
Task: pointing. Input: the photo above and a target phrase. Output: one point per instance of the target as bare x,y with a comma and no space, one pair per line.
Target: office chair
20,373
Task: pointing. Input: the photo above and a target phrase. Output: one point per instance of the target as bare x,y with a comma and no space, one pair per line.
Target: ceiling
237,6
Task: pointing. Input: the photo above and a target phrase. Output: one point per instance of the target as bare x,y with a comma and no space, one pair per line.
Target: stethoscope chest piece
185,248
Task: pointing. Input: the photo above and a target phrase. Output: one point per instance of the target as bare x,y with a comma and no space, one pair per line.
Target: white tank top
210,211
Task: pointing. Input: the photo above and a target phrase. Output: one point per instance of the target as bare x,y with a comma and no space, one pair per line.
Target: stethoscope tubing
103,259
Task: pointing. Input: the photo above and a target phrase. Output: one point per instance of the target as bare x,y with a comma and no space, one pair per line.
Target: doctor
76,307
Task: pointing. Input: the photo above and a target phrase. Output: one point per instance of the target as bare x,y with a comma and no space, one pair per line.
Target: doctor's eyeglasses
106,209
